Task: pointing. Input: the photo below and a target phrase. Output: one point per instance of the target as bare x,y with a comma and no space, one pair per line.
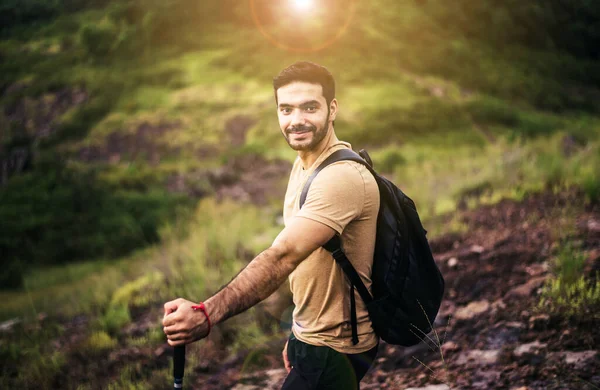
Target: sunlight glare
303,4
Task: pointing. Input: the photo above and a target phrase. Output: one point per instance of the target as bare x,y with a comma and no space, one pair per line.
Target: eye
311,108
286,110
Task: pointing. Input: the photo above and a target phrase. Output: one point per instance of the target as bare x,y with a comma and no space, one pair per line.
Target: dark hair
308,72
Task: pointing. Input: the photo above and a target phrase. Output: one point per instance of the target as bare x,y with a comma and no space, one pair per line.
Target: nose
297,118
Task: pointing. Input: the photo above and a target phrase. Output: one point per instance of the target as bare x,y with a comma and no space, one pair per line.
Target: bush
493,111
58,215
389,161
99,40
487,110
11,275
14,13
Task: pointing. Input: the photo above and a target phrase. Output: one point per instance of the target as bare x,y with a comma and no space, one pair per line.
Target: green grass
567,292
485,174
195,259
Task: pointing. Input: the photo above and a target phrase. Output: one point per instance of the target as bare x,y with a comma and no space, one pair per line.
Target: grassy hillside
109,107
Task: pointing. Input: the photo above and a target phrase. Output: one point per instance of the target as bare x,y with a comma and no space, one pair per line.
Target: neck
308,157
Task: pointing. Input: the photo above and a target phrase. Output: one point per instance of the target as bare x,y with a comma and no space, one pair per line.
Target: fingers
286,362
175,343
288,366
183,326
170,320
171,330
172,306
176,336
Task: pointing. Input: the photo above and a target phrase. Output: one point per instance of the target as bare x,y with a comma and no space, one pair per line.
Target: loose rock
480,357
527,289
577,359
529,348
452,262
473,309
539,321
431,387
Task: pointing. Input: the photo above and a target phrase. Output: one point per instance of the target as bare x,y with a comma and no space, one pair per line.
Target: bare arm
257,281
269,270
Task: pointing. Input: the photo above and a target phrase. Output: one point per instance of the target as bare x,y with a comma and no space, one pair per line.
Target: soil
250,178
130,146
26,121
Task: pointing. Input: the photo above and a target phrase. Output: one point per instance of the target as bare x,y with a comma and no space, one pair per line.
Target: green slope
111,101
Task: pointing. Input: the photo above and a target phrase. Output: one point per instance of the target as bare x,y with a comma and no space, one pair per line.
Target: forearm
257,281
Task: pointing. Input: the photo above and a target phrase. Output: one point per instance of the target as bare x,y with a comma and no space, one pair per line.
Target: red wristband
200,306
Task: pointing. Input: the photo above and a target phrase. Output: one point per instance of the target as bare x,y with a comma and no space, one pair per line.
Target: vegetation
568,292
461,104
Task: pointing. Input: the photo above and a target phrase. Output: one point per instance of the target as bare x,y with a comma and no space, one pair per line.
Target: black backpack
407,284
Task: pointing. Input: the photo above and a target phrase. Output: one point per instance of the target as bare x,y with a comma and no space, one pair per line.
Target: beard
318,134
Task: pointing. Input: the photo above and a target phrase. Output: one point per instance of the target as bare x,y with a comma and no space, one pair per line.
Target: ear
333,108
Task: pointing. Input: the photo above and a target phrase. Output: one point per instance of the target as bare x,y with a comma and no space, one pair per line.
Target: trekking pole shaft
178,366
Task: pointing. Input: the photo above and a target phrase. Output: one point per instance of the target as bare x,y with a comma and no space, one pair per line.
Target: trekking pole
178,366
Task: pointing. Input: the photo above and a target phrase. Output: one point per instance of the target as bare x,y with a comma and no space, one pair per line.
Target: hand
182,324
286,362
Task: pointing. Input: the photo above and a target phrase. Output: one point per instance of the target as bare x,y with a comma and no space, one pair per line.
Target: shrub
487,110
11,275
389,161
60,215
100,39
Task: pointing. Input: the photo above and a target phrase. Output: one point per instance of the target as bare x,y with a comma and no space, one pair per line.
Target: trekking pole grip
178,366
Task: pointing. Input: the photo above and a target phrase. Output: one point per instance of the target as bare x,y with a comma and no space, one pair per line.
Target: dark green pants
321,368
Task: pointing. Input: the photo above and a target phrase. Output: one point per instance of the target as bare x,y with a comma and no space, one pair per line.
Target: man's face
303,114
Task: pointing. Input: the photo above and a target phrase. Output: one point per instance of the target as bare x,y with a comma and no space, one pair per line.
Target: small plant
568,292
115,318
100,341
569,263
591,187
434,343
575,298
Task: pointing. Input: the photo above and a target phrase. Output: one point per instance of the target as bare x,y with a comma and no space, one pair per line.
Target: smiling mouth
300,132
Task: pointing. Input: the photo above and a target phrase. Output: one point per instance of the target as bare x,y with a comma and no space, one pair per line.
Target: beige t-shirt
345,197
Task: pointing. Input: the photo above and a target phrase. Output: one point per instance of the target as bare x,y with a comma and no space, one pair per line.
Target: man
343,199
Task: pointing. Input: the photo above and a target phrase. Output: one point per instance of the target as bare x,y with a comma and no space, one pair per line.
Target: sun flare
303,4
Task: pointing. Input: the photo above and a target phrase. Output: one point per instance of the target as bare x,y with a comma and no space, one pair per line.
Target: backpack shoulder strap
338,155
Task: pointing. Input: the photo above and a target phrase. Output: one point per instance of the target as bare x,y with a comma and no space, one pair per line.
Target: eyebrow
305,104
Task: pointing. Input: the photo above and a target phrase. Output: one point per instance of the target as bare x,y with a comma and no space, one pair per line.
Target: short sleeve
336,196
